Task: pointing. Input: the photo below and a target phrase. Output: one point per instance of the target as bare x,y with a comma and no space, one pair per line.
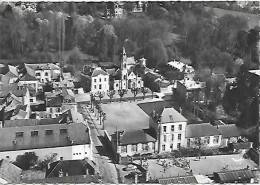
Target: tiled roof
232,176
45,66
20,115
245,145
170,115
179,180
201,130
83,179
71,167
229,130
98,71
77,134
68,94
135,137
9,172
31,122
149,107
54,101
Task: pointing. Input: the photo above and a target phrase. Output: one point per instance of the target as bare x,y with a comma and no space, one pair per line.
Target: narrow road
106,167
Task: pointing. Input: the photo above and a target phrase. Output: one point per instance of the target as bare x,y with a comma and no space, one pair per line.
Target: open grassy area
253,20
124,116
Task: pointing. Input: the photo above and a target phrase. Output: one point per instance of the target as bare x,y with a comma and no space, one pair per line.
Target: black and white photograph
129,92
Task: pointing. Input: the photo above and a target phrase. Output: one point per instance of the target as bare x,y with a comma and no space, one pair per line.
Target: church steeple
124,59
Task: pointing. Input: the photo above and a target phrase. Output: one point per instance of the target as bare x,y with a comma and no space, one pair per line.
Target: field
124,115
253,20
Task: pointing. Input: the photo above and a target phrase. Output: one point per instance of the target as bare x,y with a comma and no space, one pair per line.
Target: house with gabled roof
204,134
65,141
99,80
133,142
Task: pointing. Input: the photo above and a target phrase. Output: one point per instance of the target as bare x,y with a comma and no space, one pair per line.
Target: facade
128,79
170,127
203,136
65,141
230,134
134,142
99,80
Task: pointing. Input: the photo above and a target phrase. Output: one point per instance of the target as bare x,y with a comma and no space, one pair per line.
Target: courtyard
124,116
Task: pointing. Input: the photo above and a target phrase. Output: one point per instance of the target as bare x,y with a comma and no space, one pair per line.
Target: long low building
65,141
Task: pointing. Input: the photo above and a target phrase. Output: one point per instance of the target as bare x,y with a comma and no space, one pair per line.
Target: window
61,158
178,145
50,110
164,128
123,149
100,86
172,137
105,79
188,142
95,87
163,147
63,131
216,139
100,79
171,146
180,127
58,109
179,136
31,100
49,132
95,80
134,148
85,152
34,133
37,74
19,134
206,140
116,85
171,118
46,73
145,147
164,138
172,128
7,157
139,82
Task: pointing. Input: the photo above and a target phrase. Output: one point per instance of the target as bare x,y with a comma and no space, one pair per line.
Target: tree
135,91
155,53
144,90
100,95
110,94
129,6
26,161
121,93
211,58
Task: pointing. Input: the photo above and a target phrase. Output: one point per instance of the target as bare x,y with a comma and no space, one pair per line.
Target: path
105,166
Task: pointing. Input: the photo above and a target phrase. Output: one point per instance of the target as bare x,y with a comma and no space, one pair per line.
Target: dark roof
170,115
54,101
43,66
253,155
245,145
135,137
76,132
229,130
149,107
9,172
28,77
30,122
179,180
71,168
201,130
84,179
232,176
97,71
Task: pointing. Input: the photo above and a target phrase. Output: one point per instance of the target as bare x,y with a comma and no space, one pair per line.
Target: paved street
105,166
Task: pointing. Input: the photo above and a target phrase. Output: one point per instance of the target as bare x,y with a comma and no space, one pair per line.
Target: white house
66,141
203,135
171,128
45,72
132,142
99,80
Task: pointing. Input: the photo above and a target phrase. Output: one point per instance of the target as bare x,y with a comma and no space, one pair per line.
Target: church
128,78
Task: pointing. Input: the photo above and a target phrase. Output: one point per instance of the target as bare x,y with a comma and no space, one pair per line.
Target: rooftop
43,136
201,130
9,172
232,176
150,107
170,115
179,180
98,71
135,137
45,66
229,130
